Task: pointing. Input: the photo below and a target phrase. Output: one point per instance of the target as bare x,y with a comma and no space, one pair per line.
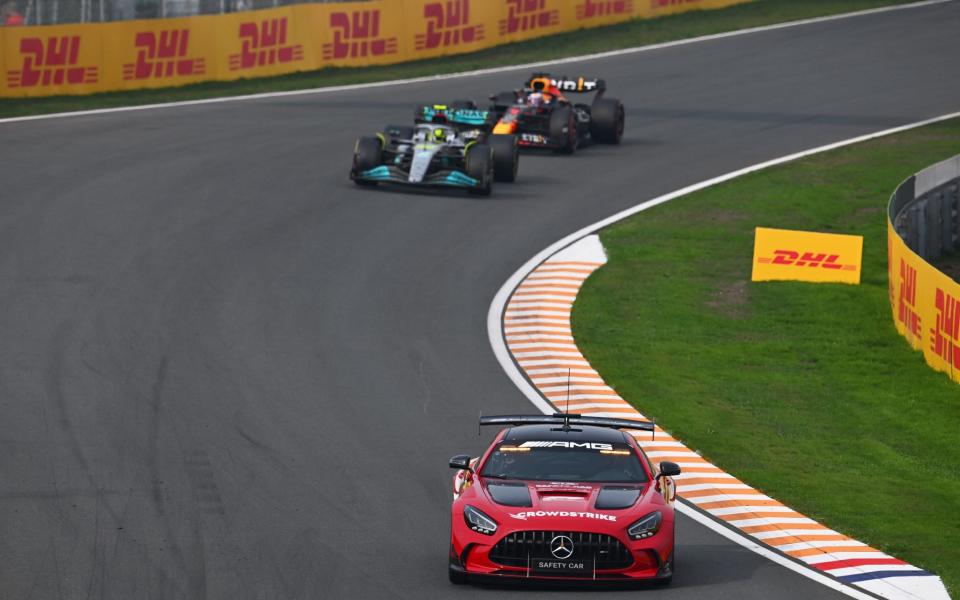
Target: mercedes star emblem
561,547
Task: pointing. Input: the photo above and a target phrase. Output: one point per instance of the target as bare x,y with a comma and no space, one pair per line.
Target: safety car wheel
506,157
563,130
480,167
368,155
607,120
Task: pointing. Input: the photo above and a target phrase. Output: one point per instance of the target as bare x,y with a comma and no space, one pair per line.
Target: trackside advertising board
784,255
128,55
925,305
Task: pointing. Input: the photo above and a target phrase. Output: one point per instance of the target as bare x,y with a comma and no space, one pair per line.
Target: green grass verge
806,391
634,33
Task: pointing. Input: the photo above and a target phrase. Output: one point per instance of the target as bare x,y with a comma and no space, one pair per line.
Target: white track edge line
498,343
474,73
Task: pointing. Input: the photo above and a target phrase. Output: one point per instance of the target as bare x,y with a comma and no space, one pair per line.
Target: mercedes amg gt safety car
562,498
541,115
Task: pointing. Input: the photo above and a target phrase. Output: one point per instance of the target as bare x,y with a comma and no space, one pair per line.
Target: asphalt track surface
227,372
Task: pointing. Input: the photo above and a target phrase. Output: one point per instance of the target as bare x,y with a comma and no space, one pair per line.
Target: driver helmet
536,99
439,135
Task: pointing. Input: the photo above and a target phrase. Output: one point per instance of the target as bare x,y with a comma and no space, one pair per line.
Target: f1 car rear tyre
463,105
563,130
480,167
369,155
506,157
606,121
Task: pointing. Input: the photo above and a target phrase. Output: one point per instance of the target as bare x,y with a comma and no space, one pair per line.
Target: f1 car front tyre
606,121
563,130
480,167
506,157
368,155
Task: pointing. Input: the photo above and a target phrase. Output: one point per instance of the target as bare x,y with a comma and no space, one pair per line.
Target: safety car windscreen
565,461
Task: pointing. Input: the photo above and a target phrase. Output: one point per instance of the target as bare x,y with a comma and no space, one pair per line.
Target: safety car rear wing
566,421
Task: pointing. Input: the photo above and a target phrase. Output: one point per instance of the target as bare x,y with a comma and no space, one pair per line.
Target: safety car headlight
646,527
479,522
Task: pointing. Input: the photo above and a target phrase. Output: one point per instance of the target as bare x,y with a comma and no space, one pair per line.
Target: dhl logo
164,55
265,43
524,15
600,8
946,333
448,24
907,302
808,259
51,62
357,34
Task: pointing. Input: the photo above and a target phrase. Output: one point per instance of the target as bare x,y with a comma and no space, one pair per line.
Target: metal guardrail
925,210
53,12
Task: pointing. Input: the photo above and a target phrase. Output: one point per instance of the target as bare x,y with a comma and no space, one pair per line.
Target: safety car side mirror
667,469
460,461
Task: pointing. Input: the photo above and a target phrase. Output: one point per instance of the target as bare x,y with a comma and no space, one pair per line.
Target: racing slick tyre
506,157
563,130
606,121
368,155
463,105
480,167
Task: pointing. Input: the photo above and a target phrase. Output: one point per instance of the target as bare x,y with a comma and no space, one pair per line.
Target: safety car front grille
516,548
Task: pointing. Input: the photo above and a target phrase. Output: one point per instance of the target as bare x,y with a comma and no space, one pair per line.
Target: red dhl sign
945,335
264,43
781,254
602,8
162,56
356,34
807,259
51,61
907,312
526,15
448,24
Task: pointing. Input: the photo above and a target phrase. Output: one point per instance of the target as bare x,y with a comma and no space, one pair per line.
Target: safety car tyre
563,130
480,167
368,155
506,157
607,118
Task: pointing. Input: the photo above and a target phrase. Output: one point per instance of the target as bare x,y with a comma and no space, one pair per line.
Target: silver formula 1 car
449,151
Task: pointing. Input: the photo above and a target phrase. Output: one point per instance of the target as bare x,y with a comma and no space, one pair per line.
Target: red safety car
562,498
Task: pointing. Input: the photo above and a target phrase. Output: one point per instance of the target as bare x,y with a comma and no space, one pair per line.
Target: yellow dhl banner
784,255
925,305
89,58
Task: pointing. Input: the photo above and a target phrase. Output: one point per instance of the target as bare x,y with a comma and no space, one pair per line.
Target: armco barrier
922,222
127,55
